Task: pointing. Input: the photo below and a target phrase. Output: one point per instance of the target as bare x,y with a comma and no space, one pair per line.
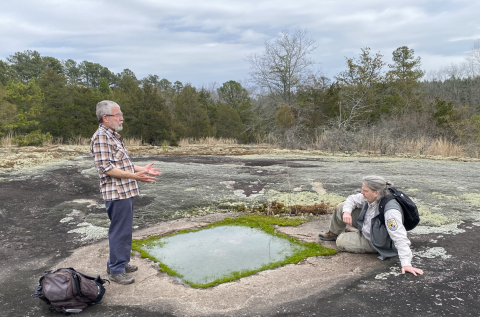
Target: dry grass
416,146
54,141
132,142
269,141
446,148
207,141
269,138
424,146
361,142
7,140
78,140
367,143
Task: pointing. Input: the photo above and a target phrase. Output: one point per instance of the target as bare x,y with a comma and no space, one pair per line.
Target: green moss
241,208
263,222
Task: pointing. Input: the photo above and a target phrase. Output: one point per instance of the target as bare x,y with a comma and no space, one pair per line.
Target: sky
206,42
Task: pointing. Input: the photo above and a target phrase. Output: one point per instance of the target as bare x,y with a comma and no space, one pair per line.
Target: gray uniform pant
353,242
120,213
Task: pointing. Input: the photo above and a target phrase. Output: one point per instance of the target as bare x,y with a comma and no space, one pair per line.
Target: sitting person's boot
328,236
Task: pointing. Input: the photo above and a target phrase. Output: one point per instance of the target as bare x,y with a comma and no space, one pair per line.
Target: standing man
118,185
389,239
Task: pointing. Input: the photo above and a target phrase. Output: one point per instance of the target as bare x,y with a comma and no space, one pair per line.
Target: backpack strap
381,208
77,283
96,279
75,279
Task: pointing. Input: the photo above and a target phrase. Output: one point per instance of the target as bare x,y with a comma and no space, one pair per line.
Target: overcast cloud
207,41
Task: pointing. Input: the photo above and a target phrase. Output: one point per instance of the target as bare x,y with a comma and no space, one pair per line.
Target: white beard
117,127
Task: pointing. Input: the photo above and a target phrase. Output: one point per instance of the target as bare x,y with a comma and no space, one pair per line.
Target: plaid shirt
108,152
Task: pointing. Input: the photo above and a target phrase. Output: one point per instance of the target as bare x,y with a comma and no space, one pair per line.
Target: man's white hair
105,107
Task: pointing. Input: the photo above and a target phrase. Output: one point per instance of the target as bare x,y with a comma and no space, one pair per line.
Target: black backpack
68,291
411,218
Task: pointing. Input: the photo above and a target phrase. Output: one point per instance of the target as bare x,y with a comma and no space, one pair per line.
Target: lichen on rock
472,198
394,271
451,228
432,253
305,198
90,232
430,218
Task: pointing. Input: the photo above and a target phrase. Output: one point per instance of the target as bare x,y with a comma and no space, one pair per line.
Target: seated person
360,211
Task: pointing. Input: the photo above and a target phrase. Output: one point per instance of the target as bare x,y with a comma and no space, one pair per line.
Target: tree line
42,97
289,99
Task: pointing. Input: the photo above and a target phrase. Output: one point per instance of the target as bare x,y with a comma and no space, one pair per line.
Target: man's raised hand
142,176
150,170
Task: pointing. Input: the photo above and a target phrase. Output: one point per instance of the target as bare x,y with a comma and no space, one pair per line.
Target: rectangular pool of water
208,255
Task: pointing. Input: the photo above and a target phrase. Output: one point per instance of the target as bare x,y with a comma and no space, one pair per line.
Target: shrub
33,138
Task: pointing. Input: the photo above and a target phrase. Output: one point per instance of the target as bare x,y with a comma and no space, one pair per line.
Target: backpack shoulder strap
381,208
96,279
409,209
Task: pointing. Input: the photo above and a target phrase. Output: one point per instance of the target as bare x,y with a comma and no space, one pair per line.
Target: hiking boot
328,236
121,278
129,268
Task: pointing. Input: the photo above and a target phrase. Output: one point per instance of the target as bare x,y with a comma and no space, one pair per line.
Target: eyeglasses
118,115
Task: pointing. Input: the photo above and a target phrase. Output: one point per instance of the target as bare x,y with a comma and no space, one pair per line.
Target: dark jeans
120,213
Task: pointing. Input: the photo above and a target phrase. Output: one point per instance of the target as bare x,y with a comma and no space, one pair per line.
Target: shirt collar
111,131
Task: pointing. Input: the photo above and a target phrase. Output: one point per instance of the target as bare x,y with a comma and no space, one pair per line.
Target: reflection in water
206,255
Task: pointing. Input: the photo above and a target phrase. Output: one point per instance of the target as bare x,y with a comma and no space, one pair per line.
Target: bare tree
284,65
212,89
474,59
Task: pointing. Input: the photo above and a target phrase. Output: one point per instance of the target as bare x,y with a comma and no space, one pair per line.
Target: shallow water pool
207,255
